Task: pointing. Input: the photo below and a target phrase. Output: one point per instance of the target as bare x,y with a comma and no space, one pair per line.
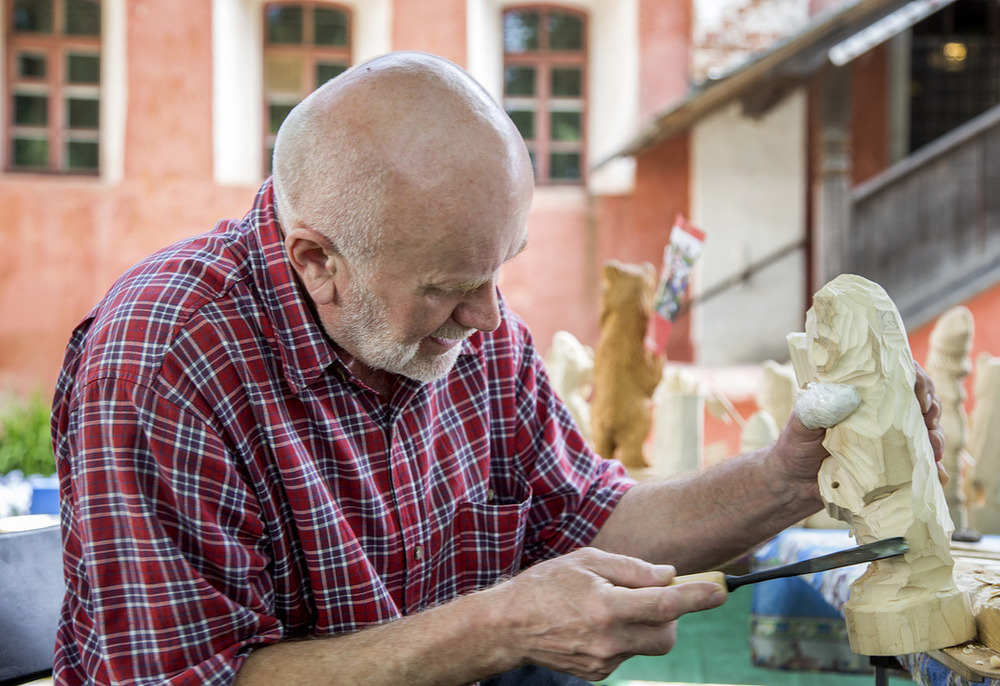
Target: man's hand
586,612
930,406
802,449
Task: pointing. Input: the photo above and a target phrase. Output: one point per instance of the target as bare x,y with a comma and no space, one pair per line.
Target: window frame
544,60
311,53
56,46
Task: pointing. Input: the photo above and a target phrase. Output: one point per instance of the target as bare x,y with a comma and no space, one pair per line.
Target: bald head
402,125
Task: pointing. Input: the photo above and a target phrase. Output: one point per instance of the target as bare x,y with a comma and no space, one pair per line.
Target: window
53,53
305,45
545,76
955,68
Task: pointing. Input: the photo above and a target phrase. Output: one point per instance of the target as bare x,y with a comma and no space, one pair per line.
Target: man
324,422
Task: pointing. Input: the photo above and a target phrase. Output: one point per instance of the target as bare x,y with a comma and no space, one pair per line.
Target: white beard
366,334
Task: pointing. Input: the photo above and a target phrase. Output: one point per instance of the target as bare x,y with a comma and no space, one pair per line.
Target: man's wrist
497,627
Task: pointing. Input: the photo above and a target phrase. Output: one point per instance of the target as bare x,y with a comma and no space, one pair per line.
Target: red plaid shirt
226,482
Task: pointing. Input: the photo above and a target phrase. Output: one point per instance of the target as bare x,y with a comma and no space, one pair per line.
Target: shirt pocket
489,542
483,544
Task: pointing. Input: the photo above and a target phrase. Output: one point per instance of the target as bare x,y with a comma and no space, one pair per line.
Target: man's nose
480,310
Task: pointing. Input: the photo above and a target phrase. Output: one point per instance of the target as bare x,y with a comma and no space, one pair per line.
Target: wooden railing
928,228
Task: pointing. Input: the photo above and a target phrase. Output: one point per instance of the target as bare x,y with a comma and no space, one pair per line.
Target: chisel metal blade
889,547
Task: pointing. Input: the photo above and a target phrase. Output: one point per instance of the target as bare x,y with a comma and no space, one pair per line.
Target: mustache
453,333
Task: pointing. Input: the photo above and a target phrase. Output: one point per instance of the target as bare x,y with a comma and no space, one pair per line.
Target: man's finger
657,605
629,572
943,475
651,639
924,388
932,415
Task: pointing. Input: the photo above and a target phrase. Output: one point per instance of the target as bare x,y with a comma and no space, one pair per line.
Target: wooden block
570,365
980,578
971,661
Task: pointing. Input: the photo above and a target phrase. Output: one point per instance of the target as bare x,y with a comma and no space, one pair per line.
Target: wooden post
677,438
832,218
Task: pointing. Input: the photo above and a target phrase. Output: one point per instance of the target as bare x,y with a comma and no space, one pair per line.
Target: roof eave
707,97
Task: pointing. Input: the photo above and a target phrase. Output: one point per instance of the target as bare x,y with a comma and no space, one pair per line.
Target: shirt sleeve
165,557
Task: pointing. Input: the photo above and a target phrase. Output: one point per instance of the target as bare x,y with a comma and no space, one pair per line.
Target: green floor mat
713,648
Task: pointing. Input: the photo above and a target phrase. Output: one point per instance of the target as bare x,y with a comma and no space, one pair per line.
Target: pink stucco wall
437,27
555,283
664,53
67,239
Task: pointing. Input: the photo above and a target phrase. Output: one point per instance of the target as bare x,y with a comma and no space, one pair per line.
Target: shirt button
418,552
490,495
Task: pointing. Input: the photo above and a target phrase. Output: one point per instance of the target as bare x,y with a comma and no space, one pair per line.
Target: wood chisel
889,547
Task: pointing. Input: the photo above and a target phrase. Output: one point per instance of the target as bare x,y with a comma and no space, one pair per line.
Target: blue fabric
792,597
796,623
927,671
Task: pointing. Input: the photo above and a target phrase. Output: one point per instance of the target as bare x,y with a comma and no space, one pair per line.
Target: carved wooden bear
625,371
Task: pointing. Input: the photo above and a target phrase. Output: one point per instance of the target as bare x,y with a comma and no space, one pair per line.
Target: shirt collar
306,350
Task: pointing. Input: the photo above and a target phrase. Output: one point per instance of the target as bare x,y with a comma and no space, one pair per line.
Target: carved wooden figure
775,397
678,424
570,364
980,578
776,394
984,446
760,430
880,476
625,371
948,363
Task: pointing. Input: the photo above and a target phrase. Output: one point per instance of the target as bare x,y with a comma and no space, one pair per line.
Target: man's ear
316,261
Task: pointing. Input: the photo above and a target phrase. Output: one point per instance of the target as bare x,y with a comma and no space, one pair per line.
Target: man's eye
461,291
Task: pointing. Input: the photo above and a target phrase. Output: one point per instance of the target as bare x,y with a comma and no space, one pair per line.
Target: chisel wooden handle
717,578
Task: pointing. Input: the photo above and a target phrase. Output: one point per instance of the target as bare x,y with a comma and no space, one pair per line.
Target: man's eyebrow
471,286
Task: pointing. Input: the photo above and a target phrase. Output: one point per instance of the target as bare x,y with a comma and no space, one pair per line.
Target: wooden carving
625,371
570,365
948,363
880,476
984,446
979,576
678,424
775,397
760,430
776,394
